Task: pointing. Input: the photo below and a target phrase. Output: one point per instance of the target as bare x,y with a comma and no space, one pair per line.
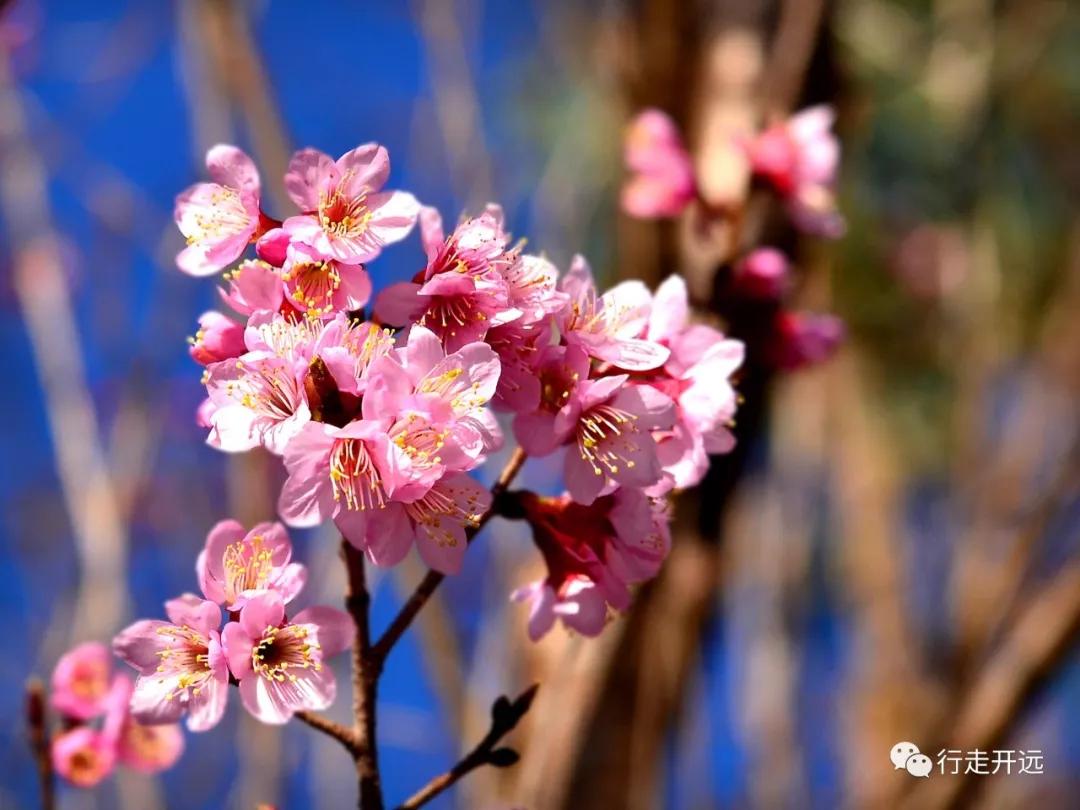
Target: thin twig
505,715
429,583
331,728
38,731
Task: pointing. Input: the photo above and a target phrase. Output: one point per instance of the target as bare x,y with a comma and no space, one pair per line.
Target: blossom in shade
593,554
280,662
80,681
661,181
218,338
348,348
697,378
558,373
319,285
764,273
237,564
611,438
799,157
608,326
181,666
219,219
345,213
83,756
144,748
461,292
519,345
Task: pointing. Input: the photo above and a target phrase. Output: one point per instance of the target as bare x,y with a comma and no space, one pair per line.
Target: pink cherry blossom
218,338
340,473
519,345
593,554
661,183
80,681
219,219
237,564
180,663
280,663
461,293
558,373
697,377
84,756
800,158
319,285
612,443
607,327
345,215
144,748
349,349
254,285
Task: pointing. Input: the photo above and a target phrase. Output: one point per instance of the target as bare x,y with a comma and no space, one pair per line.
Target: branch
37,727
505,716
341,733
431,581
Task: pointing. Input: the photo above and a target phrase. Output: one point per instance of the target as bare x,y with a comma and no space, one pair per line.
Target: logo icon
906,756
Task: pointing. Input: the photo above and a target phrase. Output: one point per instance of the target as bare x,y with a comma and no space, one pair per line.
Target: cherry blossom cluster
797,160
85,690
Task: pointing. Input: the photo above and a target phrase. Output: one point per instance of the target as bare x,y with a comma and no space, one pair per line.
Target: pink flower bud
763,273
219,338
80,682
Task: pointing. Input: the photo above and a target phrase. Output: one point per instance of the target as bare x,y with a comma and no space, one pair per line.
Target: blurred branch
505,715
41,286
38,730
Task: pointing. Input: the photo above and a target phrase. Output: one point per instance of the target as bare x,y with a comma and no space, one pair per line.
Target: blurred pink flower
661,181
237,564
800,157
80,681
345,215
803,339
180,664
219,219
280,663
608,327
144,748
764,273
84,756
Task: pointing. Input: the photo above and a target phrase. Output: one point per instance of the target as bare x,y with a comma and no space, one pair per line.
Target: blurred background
893,553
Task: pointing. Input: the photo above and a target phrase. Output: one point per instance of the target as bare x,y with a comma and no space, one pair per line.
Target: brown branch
366,671
505,715
38,732
429,583
331,728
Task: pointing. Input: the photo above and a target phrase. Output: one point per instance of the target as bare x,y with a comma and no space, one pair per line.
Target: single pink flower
558,373
697,378
144,748
461,293
661,182
593,553
254,285
237,564
345,215
219,219
349,349
80,681
520,345
280,663
608,327
84,756
800,158
219,338
612,443
340,473
180,663
320,285
764,273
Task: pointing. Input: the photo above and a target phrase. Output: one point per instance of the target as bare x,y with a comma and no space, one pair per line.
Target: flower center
419,440
187,657
345,216
223,216
428,512
354,477
270,390
247,567
91,680
284,648
313,285
605,439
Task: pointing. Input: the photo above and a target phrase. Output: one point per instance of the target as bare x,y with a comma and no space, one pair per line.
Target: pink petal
238,647
206,708
138,645
260,612
364,169
307,170
399,303
335,629
191,611
231,167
